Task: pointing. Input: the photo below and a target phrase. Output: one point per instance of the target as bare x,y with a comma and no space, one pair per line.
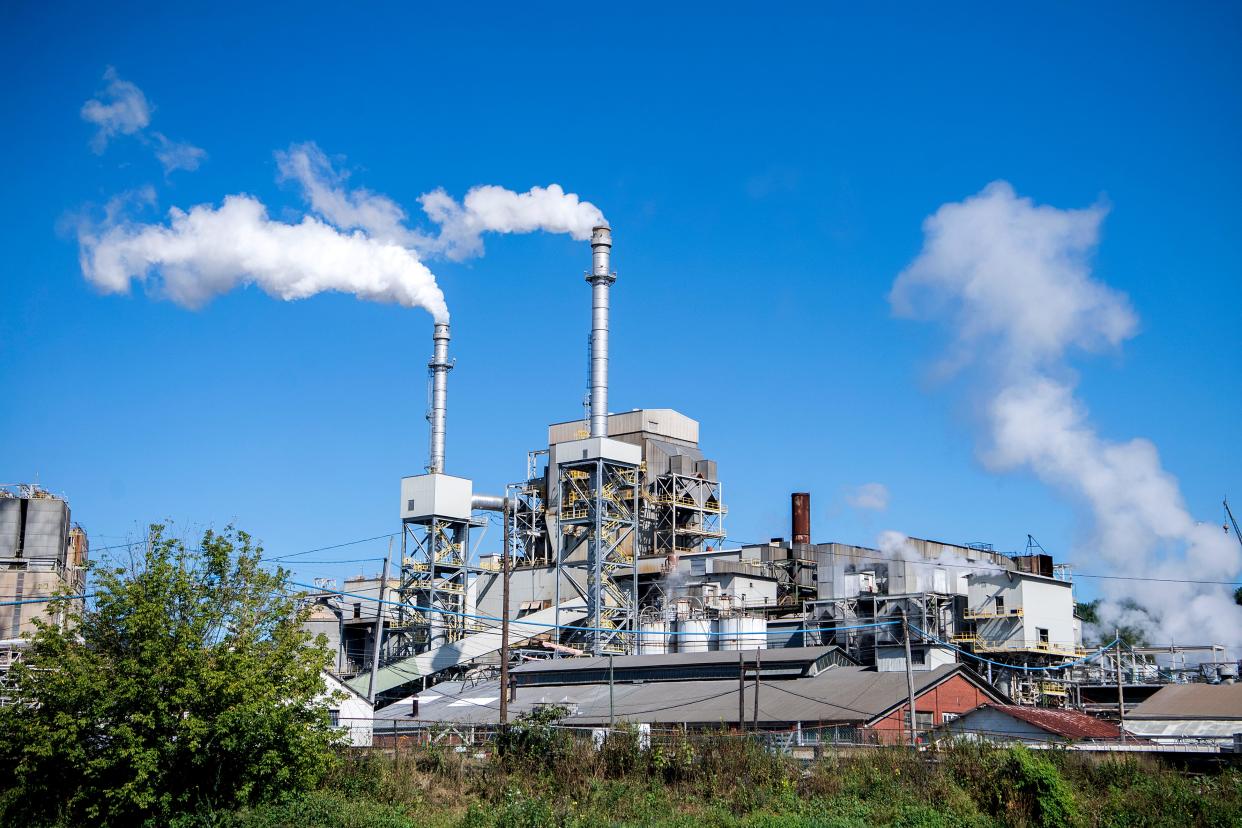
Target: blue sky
766,175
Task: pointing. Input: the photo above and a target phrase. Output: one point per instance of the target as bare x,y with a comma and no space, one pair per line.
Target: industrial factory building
614,547
805,690
42,553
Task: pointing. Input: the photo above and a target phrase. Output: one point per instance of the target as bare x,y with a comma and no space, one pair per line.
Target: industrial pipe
439,366
600,277
487,503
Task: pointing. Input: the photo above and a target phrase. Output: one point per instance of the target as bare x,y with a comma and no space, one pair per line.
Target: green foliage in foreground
732,783
187,688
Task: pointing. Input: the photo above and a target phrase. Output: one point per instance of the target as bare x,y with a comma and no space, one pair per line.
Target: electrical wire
326,548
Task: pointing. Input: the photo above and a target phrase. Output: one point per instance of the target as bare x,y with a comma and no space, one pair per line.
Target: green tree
1132,635
188,686
1237,596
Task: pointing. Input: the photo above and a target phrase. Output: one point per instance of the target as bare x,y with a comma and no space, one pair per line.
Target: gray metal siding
47,528
10,526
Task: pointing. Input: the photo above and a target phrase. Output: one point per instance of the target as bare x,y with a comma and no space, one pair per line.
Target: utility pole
504,615
1121,696
755,719
909,676
379,627
741,692
610,707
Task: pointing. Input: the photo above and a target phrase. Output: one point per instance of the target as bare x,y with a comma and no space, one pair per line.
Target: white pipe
439,367
600,278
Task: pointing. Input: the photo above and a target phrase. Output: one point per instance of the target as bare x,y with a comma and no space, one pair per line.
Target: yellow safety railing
1015,612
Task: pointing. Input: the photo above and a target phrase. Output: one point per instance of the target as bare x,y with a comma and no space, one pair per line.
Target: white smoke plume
871,497
358,244
377,215
493,209
208,251
485,209
898,547
1014,282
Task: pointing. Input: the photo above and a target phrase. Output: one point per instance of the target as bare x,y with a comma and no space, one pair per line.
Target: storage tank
694,635
654,638
743,632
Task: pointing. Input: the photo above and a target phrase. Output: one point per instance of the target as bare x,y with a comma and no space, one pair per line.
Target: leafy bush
187,687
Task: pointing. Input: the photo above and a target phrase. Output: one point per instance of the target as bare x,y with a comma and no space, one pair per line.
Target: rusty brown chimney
800,510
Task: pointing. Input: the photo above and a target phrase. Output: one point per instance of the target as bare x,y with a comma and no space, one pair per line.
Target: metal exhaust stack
600,277
439,366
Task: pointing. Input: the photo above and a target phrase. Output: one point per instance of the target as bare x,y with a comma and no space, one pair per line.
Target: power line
334,546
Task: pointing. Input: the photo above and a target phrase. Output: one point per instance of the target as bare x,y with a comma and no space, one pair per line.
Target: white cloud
174,155
123,110
208,251
869,496
1014,282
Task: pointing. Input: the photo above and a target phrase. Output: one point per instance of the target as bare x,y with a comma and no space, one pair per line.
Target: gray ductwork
487,503
439,367
600,277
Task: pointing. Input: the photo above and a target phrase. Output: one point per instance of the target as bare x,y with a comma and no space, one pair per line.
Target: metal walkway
467,649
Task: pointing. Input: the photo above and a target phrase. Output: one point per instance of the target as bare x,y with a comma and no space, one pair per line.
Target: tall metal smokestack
600,277
439,367
800,512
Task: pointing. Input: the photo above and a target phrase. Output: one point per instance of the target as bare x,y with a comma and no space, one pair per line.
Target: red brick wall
957,695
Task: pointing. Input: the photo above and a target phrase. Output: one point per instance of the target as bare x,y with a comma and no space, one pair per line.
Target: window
918,656
1043,634
357,610
334,718
924,721
1000,605
947,717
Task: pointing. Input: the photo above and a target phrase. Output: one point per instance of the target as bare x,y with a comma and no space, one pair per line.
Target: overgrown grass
545,778
540,776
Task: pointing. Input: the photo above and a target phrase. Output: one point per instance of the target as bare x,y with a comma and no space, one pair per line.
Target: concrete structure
1034,726
347,621
1190,714
42,553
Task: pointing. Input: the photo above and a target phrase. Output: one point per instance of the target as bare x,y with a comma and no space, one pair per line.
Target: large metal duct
487,503
439,367
600,277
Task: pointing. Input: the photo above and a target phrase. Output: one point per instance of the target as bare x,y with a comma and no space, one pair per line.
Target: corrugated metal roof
803,655
1192,701
1068,723
848,696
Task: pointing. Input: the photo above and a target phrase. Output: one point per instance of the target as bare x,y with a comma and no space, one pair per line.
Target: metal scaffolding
685,510
597,509
432,593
